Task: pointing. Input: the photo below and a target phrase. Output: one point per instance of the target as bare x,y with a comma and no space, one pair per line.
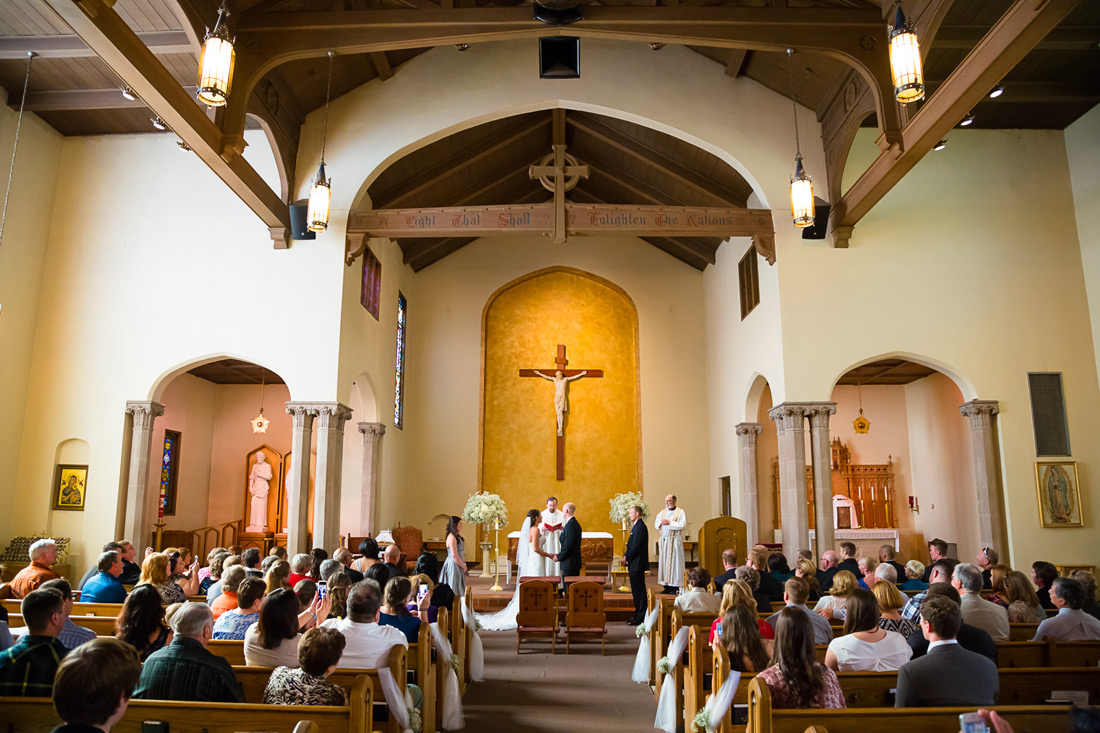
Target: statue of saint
561,398
258,487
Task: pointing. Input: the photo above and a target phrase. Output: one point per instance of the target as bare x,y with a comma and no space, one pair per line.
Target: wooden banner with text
483,221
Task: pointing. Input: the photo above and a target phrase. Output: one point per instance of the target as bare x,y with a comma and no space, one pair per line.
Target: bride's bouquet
485,508
621,503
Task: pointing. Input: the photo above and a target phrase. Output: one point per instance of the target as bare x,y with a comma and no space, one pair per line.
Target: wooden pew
79,609
468,634
458,642
1022,632
37,715
677,620
100,625
442,665
697,670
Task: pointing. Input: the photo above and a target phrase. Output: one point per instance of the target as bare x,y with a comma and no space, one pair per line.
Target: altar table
595,546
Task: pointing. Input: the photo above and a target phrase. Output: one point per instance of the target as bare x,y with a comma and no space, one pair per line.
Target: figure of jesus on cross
561,379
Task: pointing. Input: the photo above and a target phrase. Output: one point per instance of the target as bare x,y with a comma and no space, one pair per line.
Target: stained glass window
399,368
169,470
370,290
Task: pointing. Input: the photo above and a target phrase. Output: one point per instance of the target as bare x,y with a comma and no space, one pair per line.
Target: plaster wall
22,260
189,409
955,268
1083,152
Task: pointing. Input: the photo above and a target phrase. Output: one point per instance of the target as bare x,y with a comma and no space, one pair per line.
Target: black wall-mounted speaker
821,221
298,212
559,57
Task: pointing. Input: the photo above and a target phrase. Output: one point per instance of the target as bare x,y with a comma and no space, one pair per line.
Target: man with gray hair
329,568
887,555
300,565
344,556
185,670
1071,623
976,611
886,571
43,554
829,562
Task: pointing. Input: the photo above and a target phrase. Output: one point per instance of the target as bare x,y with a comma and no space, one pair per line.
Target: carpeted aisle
538,691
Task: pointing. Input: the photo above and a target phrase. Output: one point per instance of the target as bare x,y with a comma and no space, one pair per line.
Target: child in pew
796,679
318,654
93,685
395,612
232,625
739,636
738,593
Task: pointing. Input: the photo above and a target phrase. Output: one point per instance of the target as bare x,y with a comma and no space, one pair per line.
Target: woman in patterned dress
318,654
890,602
797,679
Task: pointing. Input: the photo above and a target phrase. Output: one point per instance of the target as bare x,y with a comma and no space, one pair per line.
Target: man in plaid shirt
185,670
28,668
941,573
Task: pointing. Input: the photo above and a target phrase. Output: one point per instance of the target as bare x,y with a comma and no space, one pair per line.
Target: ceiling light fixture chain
328,96
802,188
15,147
320,195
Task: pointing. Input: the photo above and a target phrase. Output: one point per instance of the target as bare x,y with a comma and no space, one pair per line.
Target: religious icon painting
1059,494
69,485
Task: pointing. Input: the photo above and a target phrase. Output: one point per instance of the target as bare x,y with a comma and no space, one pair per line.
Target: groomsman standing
636,560
670,523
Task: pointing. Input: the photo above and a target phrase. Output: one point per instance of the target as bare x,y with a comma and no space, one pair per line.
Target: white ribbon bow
666,706
452,701
476,651
640,673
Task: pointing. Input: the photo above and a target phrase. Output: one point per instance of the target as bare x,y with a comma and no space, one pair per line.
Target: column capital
331,415
788,416
302,413
819,414
144,412
372,431
980,412
748,428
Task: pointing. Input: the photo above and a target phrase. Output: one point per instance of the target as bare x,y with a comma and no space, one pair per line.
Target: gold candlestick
496,565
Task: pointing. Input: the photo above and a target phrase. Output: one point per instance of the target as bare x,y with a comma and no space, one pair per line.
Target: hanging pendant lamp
802,188
905,63
320,195
216,62
260,423
861,424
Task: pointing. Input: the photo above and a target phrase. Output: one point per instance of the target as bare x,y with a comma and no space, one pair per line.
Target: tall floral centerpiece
490,510
620,505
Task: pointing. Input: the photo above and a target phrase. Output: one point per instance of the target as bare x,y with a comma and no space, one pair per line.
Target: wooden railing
203,539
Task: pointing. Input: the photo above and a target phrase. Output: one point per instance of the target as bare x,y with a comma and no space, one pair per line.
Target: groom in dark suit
636,560
570,553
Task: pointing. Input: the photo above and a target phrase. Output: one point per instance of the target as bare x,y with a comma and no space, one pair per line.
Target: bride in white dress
529,562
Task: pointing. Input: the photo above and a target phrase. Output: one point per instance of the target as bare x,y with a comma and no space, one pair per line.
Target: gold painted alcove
522,324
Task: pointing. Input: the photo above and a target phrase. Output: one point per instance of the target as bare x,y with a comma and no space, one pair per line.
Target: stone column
138,528
790,419
298,491
821,448
991,523
371,491
746,438
331,417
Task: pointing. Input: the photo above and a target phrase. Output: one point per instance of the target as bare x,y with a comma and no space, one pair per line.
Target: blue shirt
73,636
407,625
103,588
233,624
913,584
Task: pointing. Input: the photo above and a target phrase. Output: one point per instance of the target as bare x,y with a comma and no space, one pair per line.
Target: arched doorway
757,405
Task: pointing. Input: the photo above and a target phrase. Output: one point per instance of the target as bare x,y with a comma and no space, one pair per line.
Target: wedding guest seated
795,595
729,565
93,685
299,568
343,557
1088,584
368,551
738,593
329,568
867,567
796,679
278,576
937,550
368,643
28,667
805,570
214,574
183,570
338,587
890,602
278,551
305,682
768,584
424,613
306,590
997,575
914,572
233,624
1043,573
696,599
131,571
216,589
43,554
969,637
204,572
987,558
93,570
848,559
141,623
395,612
737,633
234,550
273,640
318,555
778,567
442,597
751,577
827,571
185,670
391,559
267,562
250,559
231,582
833,605
71,635
1071,623
865,645
977,611
154,572
6,640
887,555
378,574
104,587
1024,606
949,675
940,572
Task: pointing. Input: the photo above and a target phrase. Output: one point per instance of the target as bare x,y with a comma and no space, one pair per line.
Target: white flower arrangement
456,662
664,665
485,508
701,722
415,722
639,631
621,503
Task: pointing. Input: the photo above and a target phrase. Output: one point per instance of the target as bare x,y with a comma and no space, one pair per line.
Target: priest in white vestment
550,536
670,523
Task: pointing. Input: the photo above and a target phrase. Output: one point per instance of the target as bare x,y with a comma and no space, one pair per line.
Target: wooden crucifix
561,379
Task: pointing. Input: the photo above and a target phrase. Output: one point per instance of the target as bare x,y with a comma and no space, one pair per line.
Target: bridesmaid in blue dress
454,568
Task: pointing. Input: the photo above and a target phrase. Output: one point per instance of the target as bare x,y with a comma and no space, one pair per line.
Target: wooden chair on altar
584,614
410,541
538,612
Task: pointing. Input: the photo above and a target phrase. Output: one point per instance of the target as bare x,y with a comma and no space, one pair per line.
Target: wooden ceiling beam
1021,27
76,99
628,181
72,47
739,59
381,65
1042,92
1062,38
101,28
677,249
419,253
411,187
711,190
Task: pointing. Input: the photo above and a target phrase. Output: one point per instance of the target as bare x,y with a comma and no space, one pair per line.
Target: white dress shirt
1071,624
368,645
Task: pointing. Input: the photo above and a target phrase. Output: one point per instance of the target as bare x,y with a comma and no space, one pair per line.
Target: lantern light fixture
158,123
905,63
260,423
320,195
940,145
128,93
997,91
802,188
216,62
968,120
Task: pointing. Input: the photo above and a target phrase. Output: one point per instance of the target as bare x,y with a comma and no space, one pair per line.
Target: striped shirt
28,668
185,670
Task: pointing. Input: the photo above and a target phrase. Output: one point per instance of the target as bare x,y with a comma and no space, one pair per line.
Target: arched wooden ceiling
629,164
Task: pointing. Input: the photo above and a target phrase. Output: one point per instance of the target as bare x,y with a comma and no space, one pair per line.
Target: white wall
1083,152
